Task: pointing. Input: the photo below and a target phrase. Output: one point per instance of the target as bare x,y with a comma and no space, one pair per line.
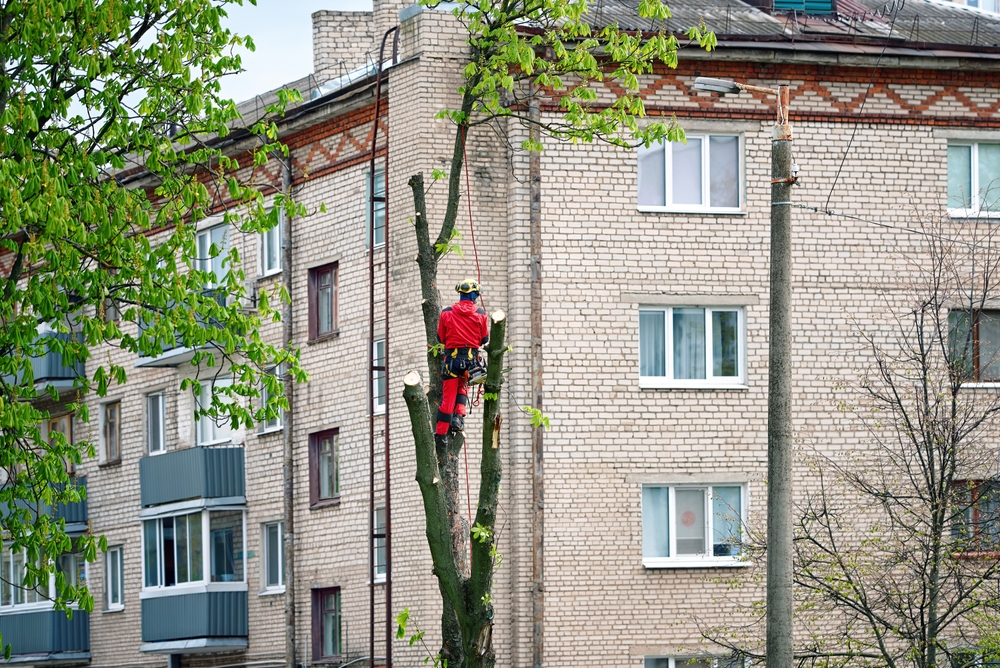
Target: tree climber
462,329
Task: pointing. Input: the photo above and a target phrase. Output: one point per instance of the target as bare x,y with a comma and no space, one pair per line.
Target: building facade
654,269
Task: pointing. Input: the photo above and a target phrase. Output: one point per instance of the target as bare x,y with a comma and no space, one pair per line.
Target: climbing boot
457,422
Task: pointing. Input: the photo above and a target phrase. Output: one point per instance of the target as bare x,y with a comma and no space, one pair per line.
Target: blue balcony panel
75,514
192,473
46,637
198,622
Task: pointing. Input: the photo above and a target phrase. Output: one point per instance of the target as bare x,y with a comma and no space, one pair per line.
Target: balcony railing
41,636
192,473
196,622
50,368
75,514
179,353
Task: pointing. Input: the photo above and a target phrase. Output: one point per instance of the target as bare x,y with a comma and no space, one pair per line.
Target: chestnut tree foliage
105,170
521,53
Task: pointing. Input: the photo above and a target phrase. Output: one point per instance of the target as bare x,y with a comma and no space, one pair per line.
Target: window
155,421
974,178
378,229
379,539
275,421
112,418
693,662
974,344
986,5
972,658
114,578
213,249
73,567
270,248
976,523
691,525
691,347
12,573
378,377
211,430
174,548
704,174
323,301
324,467
326,635
62,425
274,555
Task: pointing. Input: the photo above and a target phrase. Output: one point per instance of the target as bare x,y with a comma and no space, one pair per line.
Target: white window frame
680,661
974,211
206,553
161,424
205,263
267,238
10,587
378,407
110,603
221,433
377,576
103,452
668,381
705,206
698,561
276,424
267,588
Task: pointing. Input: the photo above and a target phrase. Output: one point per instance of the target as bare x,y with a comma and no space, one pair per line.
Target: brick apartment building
654,267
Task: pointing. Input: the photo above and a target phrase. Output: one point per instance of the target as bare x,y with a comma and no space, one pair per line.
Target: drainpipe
287,470
537,452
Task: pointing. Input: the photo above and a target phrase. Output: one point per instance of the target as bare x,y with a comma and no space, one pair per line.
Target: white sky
282,33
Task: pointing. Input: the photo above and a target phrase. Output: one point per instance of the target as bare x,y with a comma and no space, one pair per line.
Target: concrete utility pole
779,613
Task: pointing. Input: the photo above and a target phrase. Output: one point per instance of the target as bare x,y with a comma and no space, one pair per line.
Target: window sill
328,660
117,608
982,385
691,210
110,465
271,430
667,385
20,608
210,444
269,274
192,588
707,562
156,453
274,591
323,337
379,580
968,214
325,503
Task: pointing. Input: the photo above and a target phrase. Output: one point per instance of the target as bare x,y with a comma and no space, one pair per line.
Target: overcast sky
282,33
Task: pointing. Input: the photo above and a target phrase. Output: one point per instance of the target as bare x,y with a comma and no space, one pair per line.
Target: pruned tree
897,544
106,112
521,52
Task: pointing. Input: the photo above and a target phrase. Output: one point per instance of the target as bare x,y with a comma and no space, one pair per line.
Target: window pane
378,377
150,556
227,546
327,469
725,344
989,345
379,225
169,556
5,583
693,663
195,541
655,520
724,171
114,577
324,320
959,176
652,344
652,179
689,520
687,172
220,239
960,341
726,521
273,555
689,343
183,555
331,624
656,663
272,248
17,576
989,176
988,530
154,422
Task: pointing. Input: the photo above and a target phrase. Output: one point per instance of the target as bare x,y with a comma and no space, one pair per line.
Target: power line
857,121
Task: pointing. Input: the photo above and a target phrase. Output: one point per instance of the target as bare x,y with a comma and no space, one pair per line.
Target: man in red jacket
462,329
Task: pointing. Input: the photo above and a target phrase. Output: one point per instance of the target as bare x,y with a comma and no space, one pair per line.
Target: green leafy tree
105,107
521,52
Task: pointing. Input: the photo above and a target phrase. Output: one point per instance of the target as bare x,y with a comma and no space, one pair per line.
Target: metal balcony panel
221,614
192,473
45,632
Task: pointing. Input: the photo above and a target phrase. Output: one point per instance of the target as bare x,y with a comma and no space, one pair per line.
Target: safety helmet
468,286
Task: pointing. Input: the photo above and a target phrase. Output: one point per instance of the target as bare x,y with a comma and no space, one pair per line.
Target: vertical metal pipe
538,463
780,620
384,367
289,388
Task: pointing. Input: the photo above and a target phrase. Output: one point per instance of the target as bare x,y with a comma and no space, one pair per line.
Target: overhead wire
864,100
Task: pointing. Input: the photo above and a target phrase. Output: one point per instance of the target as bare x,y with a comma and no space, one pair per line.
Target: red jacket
463,325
